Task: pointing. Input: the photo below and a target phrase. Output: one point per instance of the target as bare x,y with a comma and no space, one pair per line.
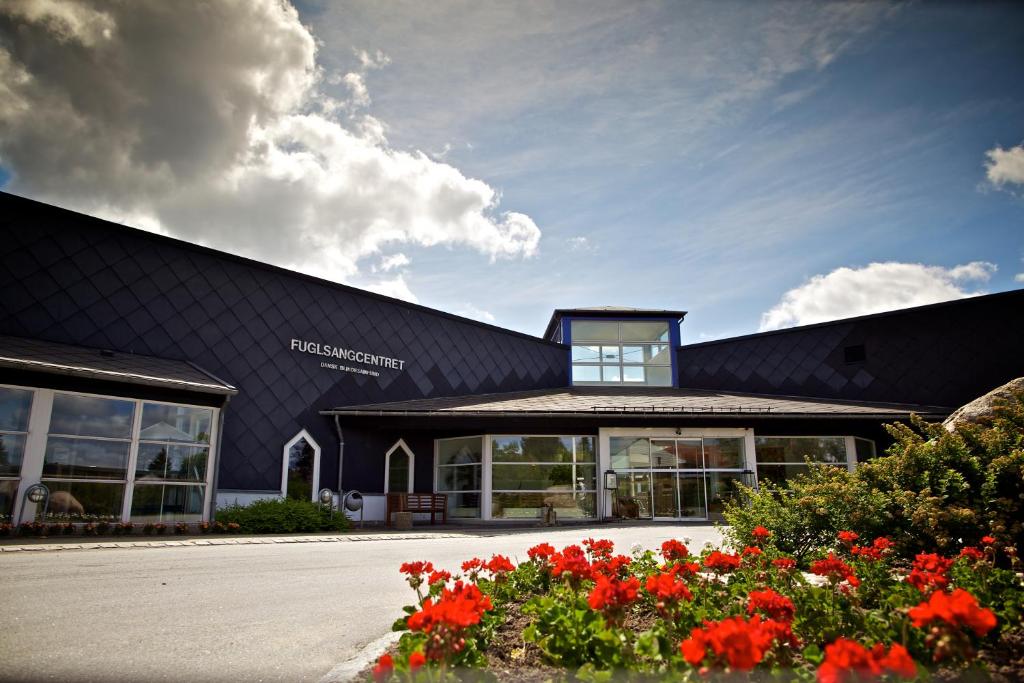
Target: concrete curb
350,668
198,542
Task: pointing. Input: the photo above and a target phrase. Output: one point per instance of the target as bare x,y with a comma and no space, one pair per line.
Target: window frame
620,365
489,457
399,445
299,436
848,440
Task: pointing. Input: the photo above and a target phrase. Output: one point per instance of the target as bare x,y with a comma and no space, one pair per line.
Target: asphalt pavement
267,612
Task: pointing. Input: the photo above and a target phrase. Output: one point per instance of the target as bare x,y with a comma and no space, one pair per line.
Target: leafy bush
934,490
284,516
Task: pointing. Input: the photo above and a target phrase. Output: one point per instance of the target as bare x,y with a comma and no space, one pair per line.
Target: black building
146,378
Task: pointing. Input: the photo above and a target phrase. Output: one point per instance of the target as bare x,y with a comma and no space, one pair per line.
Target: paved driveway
246,612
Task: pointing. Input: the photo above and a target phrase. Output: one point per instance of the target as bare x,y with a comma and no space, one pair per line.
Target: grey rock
982,408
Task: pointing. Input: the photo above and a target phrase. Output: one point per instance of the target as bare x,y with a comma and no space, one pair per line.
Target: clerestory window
630,353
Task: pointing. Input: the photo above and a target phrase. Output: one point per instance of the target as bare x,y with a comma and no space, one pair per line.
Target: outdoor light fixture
37,493
326,496
611,480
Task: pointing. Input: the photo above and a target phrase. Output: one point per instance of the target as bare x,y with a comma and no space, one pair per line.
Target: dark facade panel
944,354
78,280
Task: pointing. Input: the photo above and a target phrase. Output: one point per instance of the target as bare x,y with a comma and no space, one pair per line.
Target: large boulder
981,408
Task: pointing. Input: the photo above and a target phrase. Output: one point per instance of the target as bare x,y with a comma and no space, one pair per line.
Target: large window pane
459,478
12,450
797,449
162,422
629,453
586,354
688,454
633,374
586,373
637,331
658,354
865,449
85,458
8,495
464,505
633,495
543,477
460,451
723,453
609,354
529,505
659,376
663,453
161,461
84,501
594,330
532,449
611,373
780,474
722,487
15,405
633,354
91,416
167,503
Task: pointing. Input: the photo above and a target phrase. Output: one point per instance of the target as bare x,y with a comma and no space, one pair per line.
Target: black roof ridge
859,318
612,312
245,260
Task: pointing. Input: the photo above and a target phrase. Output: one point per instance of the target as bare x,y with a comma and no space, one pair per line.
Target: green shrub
933,490
282,517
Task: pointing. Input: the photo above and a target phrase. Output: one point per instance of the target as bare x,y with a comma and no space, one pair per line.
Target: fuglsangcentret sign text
318,349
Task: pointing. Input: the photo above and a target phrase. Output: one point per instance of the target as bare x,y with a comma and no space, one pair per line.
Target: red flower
611,567
847,537
771,604
742,644
416,660
875,551
834,569
416,569
987,540
457,608
930,572
972,553
673,550
571,561
667,590
684,569
611,595
385,665
541,551
957,609
849,661
599,549
499,564
474,565
438,577
784,563
760,534
721,562
751,551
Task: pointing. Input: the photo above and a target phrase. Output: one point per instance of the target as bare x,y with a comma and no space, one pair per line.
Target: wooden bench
433,503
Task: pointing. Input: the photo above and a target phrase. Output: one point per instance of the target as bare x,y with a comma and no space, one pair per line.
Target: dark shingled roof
64,359
617,312
590,401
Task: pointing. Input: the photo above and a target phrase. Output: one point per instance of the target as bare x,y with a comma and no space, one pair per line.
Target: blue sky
730,159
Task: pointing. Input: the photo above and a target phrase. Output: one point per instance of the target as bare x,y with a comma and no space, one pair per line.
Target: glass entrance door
692,498
666,495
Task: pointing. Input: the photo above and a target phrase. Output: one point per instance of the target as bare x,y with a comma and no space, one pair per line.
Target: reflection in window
780,459
85,501
399,464
163,422
301,458
15,405
75,415
459,474
166,461
532,472
167,503
640,353
85,458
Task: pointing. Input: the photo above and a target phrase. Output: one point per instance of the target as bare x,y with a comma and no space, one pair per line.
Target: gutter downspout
341,453
216,460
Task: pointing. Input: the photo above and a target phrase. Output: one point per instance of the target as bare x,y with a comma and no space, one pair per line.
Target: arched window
398,468
300,471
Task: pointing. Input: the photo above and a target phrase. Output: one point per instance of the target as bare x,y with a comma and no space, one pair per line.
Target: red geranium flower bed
859,614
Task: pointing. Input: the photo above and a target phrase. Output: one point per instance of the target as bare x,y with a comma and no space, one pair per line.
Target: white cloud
390,262
1005,166
218,132
847,292
1019,277
580,243
396,288
470,311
